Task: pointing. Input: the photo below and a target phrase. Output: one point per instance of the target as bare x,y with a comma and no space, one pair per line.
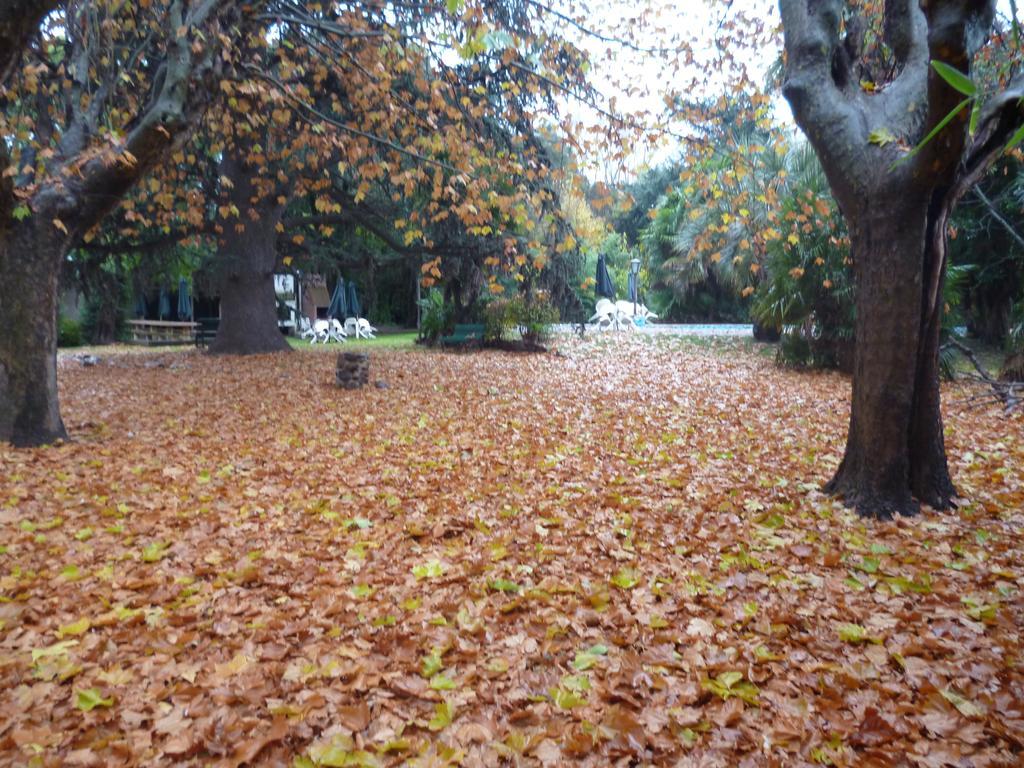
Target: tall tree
98,95
897,205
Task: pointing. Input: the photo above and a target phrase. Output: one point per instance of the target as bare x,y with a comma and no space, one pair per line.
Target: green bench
471,334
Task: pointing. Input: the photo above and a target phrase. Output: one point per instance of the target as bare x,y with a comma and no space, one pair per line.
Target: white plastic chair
364,328
336,331
321,331
305,329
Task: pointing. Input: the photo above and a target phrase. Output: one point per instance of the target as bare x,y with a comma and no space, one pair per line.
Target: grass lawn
403,340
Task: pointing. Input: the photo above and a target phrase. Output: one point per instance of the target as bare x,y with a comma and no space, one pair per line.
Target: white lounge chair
360,328
306,330
336,331
321,331
364,328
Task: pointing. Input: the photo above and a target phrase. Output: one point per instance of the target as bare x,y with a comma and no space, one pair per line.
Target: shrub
103,318
499,319
535,316
1013,366
436,317
794,350
808,346
69,333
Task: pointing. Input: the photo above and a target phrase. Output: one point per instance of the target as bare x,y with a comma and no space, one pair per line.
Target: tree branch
956,30
1000,119
999,217
19,21
168,118
834,124
905,30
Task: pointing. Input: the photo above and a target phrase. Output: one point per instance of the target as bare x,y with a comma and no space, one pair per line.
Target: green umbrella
184,300
354,309
338,306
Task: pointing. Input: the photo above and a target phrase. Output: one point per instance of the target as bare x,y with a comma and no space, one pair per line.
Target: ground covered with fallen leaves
615,555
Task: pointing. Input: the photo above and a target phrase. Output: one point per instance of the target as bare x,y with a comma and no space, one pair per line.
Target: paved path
711,329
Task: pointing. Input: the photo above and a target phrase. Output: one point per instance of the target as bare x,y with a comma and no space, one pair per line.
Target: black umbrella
604,285
354,310
633,294
338,309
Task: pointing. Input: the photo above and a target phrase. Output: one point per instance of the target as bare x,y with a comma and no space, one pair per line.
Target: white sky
648,77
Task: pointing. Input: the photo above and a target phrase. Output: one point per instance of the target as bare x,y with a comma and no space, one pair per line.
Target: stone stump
353,370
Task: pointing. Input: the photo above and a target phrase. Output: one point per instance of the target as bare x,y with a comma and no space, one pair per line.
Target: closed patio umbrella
354,310
184,300
604,286
338,308
633,296
164,310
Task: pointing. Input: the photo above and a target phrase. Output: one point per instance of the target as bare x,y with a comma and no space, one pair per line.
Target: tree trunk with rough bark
894,450
246,258
45,213
897,211
30,258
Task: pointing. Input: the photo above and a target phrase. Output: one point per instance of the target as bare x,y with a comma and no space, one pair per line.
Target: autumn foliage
618,553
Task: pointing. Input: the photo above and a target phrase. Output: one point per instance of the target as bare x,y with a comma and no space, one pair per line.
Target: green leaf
626,578
1016,139
339,752
966,707
432,569
442,683
57,649
975,114
956,79
586,659
576,683
869,565
88,699
442,718
154,551
728,685
503,585
881,137
979,611
79,627
855,633
432,664
564,699
21,212
933,132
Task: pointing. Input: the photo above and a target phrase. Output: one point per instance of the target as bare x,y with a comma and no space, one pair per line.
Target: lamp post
634,270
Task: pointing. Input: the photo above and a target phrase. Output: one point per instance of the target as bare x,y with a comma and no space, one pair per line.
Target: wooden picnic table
161,332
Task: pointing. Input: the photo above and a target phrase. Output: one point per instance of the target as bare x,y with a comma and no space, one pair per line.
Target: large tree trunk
887,252
896,204
246,257
30,257
248,304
